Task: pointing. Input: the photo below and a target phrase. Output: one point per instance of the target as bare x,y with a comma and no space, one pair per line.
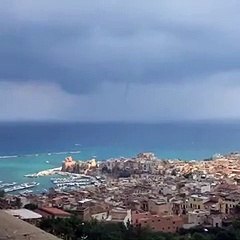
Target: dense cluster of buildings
164,195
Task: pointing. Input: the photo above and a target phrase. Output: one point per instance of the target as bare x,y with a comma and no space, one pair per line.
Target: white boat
34,175
21,187
25,192
7,184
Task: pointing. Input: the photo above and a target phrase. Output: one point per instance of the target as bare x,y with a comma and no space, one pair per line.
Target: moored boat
21,187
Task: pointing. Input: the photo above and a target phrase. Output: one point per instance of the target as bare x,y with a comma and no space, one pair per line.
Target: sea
29,147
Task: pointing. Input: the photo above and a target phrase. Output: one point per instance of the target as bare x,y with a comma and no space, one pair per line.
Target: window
174,222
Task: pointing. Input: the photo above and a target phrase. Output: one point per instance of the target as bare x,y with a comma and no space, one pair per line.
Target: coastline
47,165
47,172
70,163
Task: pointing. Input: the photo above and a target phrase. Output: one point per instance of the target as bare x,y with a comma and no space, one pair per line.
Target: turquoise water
172,140
14,168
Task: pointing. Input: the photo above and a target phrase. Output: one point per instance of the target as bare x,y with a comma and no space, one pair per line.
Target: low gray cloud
210,99
83,47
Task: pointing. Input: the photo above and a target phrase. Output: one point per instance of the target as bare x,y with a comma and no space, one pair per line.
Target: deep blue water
183,140
168,140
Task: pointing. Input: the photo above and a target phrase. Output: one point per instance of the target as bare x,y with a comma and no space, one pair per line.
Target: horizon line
122,121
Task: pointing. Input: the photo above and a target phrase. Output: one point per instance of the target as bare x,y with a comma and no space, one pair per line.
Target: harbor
14,187
56,178
43,173
21,187
65,181
74,181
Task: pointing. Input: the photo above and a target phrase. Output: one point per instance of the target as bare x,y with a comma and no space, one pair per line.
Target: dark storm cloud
25,55
82,44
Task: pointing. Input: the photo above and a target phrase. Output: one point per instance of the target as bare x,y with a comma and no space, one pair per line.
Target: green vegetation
18,202
2,193
75,229
31,206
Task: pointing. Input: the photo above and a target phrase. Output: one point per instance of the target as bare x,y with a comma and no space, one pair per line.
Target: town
144,191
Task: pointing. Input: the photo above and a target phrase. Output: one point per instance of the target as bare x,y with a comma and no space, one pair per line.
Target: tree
188,175
31,206
199,236
225,235
18,202
73,228
46,225
174,172
2,194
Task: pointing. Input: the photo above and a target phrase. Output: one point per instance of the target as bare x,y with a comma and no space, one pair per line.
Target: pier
43,173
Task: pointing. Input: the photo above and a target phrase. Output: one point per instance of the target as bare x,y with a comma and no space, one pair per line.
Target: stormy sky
117,60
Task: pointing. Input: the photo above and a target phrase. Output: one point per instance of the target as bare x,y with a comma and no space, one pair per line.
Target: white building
24,214
197,217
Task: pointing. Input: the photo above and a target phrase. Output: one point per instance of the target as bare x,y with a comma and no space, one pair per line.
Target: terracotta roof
55,211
